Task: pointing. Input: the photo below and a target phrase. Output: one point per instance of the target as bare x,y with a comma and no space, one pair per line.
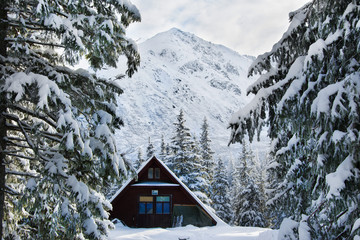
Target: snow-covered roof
205,207
180,183
129,180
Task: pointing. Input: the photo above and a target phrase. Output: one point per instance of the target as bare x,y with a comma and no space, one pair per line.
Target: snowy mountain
182,71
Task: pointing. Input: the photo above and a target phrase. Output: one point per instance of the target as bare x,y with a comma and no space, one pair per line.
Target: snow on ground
189,232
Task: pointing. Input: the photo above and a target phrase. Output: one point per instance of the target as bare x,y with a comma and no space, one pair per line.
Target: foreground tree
310,90
57,124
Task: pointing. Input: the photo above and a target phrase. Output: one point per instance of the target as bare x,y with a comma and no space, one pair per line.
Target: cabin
157,198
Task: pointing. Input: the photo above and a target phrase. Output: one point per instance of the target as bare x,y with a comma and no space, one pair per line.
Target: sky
249,27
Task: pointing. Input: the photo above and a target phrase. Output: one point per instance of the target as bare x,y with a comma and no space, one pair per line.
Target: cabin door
154,211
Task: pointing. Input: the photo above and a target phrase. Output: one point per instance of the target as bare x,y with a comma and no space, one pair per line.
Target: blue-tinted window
166,209
142,207
159,208
163,205
149,208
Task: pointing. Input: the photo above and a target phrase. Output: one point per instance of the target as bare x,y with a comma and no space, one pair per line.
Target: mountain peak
184,45
171,34
182,71
174,30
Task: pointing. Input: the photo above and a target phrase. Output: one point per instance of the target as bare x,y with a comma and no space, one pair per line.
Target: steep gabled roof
177,181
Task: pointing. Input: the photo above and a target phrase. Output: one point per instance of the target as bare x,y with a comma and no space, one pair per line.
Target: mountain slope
181,71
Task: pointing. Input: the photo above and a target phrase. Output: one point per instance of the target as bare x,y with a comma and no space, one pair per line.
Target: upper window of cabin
157,173
151,173
154,173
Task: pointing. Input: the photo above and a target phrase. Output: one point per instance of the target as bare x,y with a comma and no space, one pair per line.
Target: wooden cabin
157,198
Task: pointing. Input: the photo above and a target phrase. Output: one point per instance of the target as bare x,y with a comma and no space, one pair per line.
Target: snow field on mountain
223,232
182,71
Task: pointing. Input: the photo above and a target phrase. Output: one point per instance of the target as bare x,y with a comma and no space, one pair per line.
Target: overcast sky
246,26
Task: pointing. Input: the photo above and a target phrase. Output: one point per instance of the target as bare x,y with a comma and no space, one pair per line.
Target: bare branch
21,156
10,191
28,40
8,171
51,136
28,140
11,143
43,117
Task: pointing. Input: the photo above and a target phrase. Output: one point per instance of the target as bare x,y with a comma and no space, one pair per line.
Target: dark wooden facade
157,198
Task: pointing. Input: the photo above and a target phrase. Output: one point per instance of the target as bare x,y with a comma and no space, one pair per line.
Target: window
163,205
157,173
150,173
146,205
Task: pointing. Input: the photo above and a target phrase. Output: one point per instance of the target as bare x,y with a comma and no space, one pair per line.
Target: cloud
249,27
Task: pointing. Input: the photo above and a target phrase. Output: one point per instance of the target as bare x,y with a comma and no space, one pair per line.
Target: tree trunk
3,46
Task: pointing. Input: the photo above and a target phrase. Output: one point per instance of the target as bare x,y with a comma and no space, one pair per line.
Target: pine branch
31,41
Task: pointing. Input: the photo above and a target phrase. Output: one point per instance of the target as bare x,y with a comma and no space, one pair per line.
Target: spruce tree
163,148
199,178
181,144
248,198
274,213
221,193
57,124
185,160
140,160
206,152
150,149
309,95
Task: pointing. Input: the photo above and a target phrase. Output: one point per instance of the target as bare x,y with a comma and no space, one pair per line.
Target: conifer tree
57,124
185,160
181,144
199,179
163,148
150,149
206,152
221,193
140,160
309,95
247,203
230,169
273,213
